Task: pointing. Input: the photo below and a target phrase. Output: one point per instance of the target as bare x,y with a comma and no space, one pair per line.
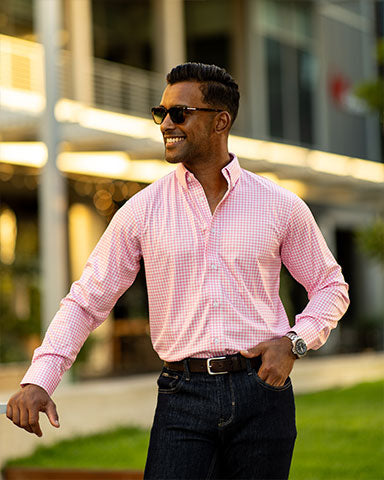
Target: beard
188,154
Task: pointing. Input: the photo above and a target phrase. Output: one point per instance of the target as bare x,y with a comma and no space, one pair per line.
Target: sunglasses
177,114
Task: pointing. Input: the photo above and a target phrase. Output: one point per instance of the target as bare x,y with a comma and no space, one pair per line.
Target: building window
209,31
305,70
290,68
123,31
275,88
16,18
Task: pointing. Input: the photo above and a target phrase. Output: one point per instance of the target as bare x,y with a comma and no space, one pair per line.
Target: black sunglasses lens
176,114
158,114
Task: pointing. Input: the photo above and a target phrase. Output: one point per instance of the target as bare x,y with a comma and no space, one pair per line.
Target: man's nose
167,123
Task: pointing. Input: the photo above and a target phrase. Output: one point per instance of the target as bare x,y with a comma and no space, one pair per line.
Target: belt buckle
209,365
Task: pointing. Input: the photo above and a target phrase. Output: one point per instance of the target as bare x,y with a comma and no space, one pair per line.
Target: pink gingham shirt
213,280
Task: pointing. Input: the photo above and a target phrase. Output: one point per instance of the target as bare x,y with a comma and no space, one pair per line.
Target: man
213,237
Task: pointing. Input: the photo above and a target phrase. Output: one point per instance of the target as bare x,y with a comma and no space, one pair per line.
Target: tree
371,240
372,92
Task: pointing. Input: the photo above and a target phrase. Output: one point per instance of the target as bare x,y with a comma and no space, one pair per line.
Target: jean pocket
267,386
169,381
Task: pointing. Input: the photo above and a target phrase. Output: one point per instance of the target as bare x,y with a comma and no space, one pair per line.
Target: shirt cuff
43,376
311,336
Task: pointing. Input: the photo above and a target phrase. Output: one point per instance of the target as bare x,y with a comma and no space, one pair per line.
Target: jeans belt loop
186,369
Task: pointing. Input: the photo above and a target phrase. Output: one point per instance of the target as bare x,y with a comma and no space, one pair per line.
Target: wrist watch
299,347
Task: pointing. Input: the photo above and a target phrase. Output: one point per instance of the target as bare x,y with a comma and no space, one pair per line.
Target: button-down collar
231,172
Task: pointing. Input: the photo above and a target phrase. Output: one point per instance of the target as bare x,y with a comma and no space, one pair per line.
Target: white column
52,191
256,89
239,59
81,47
169,39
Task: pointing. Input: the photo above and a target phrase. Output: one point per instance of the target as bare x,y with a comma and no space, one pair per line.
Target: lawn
341,436
124,448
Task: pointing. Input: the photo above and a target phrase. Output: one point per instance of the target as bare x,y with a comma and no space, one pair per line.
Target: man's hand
24,407
277,360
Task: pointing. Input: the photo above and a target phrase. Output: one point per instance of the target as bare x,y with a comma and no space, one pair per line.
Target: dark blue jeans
231,426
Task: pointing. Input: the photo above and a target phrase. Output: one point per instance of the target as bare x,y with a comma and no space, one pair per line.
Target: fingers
24,418
9,412
24,421
252,352
34,423
19,417
274,370
271,376
15,415
52,415
267,373
24,407
277,360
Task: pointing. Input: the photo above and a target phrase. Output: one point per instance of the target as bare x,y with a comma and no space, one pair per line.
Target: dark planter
31,473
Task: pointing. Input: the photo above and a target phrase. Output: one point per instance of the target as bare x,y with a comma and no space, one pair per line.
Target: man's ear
223,122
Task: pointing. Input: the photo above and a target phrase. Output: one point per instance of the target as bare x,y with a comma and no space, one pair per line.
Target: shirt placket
210,226
214,272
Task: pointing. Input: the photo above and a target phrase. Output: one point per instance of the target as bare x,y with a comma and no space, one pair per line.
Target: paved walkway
94,406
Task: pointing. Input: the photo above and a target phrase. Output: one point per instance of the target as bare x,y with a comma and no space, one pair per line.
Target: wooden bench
34,473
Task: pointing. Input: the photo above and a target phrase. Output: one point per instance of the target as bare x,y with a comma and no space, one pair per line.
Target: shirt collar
231,172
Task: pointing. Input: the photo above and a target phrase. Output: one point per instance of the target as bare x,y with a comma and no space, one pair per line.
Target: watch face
301,347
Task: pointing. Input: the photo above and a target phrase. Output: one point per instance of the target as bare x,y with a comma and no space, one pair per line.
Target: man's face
191,140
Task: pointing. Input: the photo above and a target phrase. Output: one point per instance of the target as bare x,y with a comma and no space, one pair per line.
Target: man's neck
208,173
212,180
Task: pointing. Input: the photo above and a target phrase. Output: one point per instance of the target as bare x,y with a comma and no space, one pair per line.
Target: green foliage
371,240
20,317
372,92
373,95
340,436
380,52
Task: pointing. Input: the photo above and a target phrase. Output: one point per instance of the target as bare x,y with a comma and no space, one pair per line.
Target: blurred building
77,141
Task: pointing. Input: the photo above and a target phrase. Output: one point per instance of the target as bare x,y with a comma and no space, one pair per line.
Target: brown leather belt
215,365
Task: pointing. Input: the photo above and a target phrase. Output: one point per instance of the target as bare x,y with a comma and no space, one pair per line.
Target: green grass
340,436
124,448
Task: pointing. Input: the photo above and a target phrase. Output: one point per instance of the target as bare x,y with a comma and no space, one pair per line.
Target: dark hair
218,87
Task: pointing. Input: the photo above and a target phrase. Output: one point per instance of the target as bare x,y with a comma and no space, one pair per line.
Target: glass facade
305,81
275,87
16,18
123,31
290,68
208,31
